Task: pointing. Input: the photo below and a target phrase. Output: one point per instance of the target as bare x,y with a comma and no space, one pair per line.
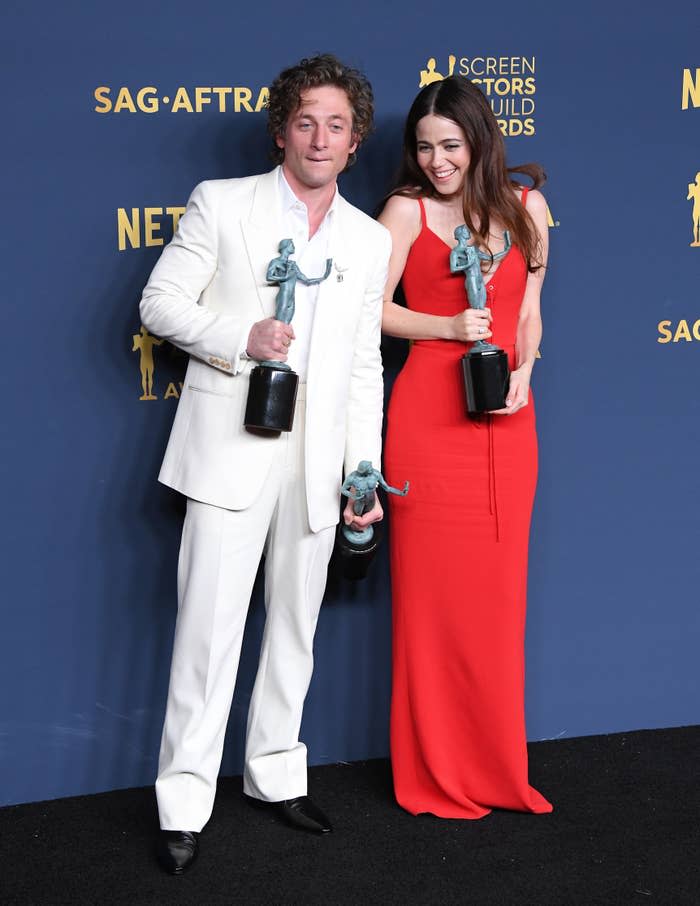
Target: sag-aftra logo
200,99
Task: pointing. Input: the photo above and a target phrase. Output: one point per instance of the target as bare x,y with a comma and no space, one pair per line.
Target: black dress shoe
176,850
299,812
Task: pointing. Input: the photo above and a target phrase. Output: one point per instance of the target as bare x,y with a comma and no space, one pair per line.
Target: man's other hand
359,523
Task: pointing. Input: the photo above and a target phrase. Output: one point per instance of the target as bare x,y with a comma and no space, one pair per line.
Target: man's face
318,138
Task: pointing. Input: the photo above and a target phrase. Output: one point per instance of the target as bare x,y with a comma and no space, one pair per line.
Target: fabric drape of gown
459,545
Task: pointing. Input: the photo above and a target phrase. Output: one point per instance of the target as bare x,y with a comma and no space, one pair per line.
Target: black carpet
624,830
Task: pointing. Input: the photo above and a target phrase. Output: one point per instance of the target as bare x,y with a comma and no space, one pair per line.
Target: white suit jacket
204,295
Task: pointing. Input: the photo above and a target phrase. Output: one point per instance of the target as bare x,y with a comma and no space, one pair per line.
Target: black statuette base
355,559
272,395
486,376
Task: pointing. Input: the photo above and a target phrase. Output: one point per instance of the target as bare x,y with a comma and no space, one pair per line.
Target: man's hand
359,523
269,339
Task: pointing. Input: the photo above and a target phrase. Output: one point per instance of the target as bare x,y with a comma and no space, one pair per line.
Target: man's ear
279,141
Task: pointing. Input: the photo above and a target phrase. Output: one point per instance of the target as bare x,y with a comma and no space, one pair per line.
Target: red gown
459,543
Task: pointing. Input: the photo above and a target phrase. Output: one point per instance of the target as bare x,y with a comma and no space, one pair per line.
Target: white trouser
219,557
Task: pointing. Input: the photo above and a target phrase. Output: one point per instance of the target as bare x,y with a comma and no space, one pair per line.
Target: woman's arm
529,331
401,216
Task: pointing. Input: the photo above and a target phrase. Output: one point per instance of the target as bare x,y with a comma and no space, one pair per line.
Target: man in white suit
250,493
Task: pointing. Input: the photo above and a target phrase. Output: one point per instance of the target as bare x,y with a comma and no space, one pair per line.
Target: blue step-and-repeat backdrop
110,114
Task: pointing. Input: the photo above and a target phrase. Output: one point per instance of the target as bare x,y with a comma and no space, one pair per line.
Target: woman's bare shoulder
536,202
401,214
402,206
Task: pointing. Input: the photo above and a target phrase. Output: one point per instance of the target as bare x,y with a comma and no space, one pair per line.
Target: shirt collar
289,200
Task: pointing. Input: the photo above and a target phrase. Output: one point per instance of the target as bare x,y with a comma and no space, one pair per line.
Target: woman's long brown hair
488,189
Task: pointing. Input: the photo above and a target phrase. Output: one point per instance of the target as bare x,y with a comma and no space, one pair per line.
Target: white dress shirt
310,255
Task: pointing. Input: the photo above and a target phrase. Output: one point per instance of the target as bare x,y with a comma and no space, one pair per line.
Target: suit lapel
331,298
262,232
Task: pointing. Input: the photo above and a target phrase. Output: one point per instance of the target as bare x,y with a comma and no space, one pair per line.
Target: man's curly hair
314,72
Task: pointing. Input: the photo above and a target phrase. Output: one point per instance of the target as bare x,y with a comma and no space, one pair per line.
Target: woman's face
442,153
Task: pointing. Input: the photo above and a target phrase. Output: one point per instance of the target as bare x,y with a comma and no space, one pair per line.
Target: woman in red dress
459,539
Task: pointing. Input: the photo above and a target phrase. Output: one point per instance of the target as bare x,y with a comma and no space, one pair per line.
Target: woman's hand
470,325
518,391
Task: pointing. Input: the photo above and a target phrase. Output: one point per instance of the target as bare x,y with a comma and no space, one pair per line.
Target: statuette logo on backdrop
430,74
508,82
685,330
143,344
149,99
694,196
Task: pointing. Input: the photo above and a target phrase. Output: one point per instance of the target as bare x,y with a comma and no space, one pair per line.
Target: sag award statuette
357,549
273,385
485,366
